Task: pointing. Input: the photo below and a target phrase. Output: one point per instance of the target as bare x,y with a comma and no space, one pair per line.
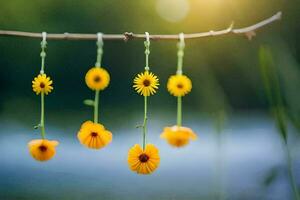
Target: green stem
96,106
147,62
43,65
42,124
290,172
99,56
180,61
145,122
179,111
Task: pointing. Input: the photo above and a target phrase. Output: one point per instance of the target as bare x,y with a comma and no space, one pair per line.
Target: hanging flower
42,149
42,84
97,78
179,85
146,83
178,136
143,161
94,135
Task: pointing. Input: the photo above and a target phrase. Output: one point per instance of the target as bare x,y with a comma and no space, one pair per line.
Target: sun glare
172,10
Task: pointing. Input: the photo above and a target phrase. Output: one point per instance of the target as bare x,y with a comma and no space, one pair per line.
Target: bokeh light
172,10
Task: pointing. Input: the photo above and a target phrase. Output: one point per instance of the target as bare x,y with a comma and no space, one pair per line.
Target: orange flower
143,161
42,149
178,136
94,135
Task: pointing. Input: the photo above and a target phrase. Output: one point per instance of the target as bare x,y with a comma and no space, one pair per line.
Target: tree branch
248,31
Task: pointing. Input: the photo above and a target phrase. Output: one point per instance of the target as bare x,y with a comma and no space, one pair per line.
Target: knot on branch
66,35
250,35
128,36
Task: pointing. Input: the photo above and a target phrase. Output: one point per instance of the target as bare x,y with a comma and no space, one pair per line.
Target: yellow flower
94,135
42,84
178,136
143,161
42,149
146,83
97,78
179,85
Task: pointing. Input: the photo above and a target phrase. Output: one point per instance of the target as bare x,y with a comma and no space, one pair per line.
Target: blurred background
239,152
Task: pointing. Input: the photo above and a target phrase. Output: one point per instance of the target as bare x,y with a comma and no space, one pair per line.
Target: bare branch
248,31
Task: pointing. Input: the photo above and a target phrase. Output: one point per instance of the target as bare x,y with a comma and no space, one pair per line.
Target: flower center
43,148
146,82
42,85
94,134
97,79
179,85
143,157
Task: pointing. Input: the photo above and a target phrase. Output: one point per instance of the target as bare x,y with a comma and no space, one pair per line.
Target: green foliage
37,126
272,88
271,176
88,102
220,119
294,120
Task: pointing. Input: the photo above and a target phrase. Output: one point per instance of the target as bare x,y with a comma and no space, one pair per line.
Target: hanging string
145,122
42,71
99,49
98,64
180,54
147,68
43,53
147,50
96,106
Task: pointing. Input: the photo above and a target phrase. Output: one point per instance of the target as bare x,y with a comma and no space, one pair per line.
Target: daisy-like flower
143,161
42,84
146,83
179,85
94,135
178,136
42,149
97,78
